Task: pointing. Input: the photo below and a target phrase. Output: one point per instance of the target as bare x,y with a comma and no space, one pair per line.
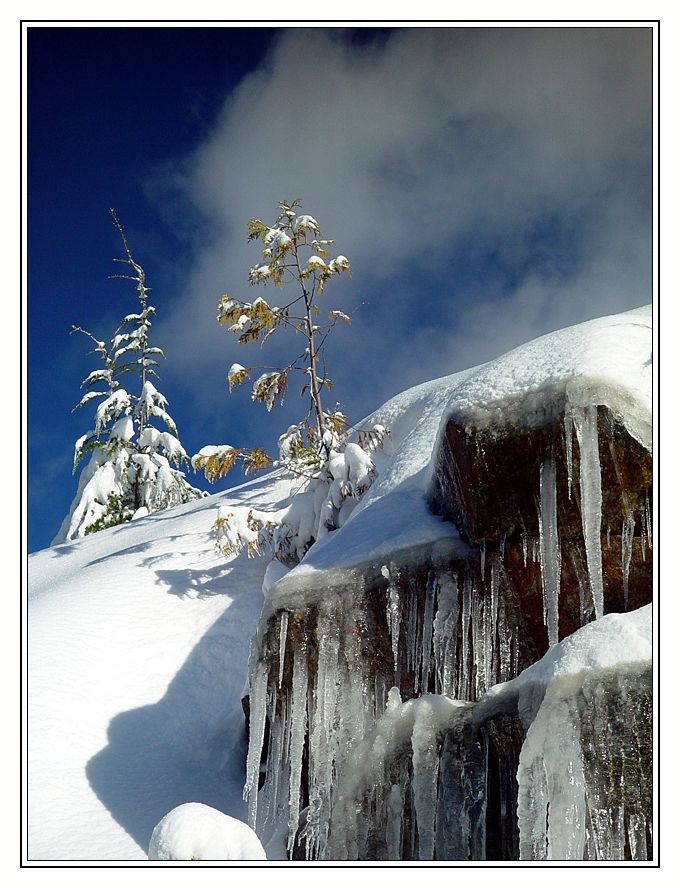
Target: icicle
568,436
609,534
648,519
412,635
495,569
585,420
425,775
394,827
585,597
426,650
504,642
475,782
298,720
532,804
627,532
551,561
321,730
524,548
477,644
445,634
258,711
637,836
283,630
566,787
277,769
482,558
502,545
393,618
551,794
494,621
464,690
487,646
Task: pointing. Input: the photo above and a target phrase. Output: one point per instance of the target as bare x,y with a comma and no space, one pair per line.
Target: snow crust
606,361
198,832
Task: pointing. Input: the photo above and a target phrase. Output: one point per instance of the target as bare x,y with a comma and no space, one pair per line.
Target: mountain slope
138,649
139,635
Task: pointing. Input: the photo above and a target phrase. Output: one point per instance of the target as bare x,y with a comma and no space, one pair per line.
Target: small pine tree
334,472
133,467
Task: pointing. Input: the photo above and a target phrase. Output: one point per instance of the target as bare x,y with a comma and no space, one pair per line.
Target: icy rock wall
574,484
585,782
321,679
428,783
558,521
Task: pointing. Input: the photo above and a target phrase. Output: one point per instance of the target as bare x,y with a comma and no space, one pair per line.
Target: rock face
488,483
556,518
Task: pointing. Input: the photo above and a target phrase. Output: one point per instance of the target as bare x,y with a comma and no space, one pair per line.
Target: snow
198,832
113,406
139,635
138,653
315,263
304,223
606,361
124,429
340,263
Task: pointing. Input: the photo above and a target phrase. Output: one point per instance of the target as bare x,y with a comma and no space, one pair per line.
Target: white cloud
419,149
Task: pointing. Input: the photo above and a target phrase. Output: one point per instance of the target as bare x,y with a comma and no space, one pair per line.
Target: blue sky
488,185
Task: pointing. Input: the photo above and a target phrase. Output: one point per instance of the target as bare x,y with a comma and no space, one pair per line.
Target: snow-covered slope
138,643
139,635
606,361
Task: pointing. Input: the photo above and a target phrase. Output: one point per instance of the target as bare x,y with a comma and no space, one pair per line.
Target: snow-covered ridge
606,362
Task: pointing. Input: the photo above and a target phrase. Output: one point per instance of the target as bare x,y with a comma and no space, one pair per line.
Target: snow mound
198,832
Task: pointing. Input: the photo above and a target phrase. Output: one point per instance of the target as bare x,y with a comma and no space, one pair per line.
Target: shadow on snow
190,745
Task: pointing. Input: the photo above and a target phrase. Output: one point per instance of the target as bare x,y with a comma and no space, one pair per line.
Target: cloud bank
488,185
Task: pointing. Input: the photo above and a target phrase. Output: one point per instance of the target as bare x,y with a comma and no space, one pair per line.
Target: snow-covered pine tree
331,470
133,467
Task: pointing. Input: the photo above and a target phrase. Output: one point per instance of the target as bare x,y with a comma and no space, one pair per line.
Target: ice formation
379,658
551,559
627,531
584,784
585,421
380,779
324,676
